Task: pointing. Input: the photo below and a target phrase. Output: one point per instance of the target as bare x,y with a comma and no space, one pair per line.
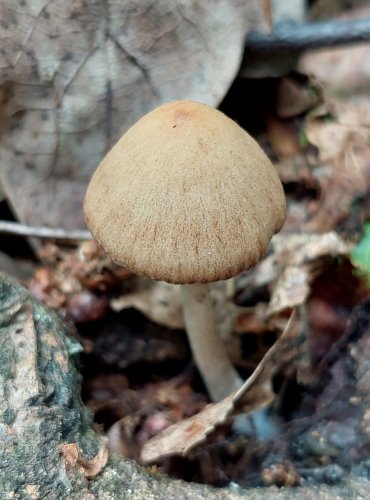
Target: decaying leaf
339,129
298,257
341,134
289,269
158,406
74,280
159,301
75,75
255,393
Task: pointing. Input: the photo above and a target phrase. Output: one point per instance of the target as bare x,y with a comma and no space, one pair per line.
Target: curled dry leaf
180,438
298,259
256,392
291,266
159,301
75,75
157,406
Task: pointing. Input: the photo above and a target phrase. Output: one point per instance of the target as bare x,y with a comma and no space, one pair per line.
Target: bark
48,447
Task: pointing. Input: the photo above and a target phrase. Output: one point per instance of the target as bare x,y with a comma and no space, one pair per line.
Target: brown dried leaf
157,406
159,301
343,142
70,279
298,257
180,438
256,392
76,75
284,137
340,129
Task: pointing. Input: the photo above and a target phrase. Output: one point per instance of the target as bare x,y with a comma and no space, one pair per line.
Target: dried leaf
76,75
342,139
180,438
159,301
256,392
298,257
340,130
157,406
284,137
75,279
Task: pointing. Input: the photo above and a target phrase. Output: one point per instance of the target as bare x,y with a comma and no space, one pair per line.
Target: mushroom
188,197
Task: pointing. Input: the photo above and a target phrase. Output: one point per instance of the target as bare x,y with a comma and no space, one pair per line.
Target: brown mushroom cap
185,196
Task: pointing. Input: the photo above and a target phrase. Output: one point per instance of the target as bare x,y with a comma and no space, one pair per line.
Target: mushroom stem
216,369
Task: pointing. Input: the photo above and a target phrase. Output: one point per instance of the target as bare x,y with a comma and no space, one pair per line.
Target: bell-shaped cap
185,196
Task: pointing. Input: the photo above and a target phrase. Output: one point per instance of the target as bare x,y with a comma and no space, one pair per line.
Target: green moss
361,254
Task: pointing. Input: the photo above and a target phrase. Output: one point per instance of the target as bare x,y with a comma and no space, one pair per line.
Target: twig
288,37
55,233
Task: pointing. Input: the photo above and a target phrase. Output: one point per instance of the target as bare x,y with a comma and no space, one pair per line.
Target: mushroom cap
185,196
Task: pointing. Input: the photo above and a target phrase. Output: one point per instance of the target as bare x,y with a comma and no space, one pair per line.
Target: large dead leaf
255,393
75,75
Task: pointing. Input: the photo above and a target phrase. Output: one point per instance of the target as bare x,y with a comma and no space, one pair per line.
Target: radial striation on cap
185,196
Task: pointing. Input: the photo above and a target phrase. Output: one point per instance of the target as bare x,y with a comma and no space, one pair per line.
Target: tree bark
48,447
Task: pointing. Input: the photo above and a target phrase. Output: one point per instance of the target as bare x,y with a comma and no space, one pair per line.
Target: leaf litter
181,438
283,426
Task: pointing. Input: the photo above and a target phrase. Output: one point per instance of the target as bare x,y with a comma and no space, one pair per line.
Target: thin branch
290,37
54,233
